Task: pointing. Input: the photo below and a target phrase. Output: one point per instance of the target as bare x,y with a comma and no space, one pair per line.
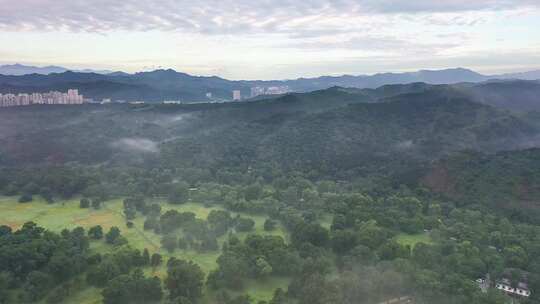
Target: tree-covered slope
412,127
329,131
508,181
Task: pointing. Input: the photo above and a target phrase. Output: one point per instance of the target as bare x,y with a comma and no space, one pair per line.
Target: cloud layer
272,38
218,17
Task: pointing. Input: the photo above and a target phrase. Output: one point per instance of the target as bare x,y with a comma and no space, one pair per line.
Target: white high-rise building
237,95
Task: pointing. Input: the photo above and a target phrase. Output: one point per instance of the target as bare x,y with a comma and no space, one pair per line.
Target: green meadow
413,239
68,214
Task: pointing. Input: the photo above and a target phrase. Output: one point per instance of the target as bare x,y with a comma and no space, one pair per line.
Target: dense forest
351,176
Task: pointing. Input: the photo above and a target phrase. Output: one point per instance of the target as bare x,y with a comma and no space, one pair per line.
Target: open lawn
68,214
413,239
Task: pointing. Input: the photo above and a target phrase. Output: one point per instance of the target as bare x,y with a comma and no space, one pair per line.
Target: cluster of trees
34,261
198,234
255,257
47,182
37,264
86,203
466,244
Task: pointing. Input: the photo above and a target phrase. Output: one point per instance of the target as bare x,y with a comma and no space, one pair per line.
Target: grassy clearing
413,239
68,214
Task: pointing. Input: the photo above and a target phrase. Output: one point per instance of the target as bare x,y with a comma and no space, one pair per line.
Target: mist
136,145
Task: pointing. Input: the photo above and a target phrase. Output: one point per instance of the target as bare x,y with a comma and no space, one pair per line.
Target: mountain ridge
18,69
172,85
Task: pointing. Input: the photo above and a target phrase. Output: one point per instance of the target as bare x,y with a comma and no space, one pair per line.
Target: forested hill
420,126
513,95
390,135
329,131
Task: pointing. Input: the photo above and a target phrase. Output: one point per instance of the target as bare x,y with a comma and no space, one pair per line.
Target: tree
184,279
233,268
113,235
269,225
145,257
5,230
263,268
5,282
58,295
245,224
253,192
155,260
154,210
26,198
219,221
37,285
179,194
209,243
134,288
311,233
183,243
96,232
392,250
280,297
316,290
96,203
343,241
130,213
47,195
169,242
84,203
172,219
515,256
359,255
242,299
151,223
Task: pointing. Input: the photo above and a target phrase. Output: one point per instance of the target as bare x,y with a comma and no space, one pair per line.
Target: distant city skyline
280,39
72,97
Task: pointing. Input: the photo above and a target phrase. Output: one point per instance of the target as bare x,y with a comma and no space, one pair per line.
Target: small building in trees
519,289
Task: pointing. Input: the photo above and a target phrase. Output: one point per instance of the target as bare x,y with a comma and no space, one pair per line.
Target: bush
96,232
84,203
26,198
96,204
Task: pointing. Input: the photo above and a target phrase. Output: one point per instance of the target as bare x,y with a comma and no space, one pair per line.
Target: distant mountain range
163,85
20,69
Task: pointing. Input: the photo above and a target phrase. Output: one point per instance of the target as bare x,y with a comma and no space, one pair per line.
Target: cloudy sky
273,39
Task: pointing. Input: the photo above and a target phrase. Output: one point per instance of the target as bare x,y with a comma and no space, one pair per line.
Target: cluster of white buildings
259,90
521,289
71,97
256,91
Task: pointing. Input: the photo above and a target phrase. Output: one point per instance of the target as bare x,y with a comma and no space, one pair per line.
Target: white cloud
266,38
217,17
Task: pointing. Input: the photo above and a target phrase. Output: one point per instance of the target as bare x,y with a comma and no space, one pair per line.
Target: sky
273,39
